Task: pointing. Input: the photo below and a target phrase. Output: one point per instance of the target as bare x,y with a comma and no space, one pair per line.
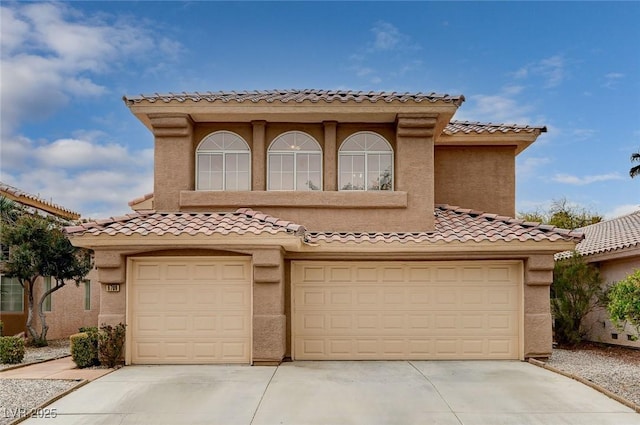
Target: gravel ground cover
56,349
22,397
615,368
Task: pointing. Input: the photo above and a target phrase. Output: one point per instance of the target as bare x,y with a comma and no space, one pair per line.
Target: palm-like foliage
635,170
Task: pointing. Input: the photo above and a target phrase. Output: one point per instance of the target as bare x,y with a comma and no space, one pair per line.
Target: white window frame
87,294
13,282
222,153
364,153
294,153
47,305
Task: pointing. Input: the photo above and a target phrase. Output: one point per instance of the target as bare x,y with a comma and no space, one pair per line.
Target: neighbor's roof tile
295,96
607,236
17,193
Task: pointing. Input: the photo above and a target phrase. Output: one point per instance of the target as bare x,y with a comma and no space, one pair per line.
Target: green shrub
111,344
84,349
623,302
576,290
1,328
11,349
88,329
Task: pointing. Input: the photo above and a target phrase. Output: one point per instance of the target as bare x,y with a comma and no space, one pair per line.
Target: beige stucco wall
272,298
67,308
597,324
402,210
476,177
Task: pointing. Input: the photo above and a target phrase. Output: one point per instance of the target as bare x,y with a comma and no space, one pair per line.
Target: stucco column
414,165
269,320
330,177
538,275
174,159
258,156
111,270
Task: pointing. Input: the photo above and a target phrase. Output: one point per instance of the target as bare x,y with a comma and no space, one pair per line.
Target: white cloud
94,179
583,133
500,108
612,79
552,70
621,210
581,181
52,53
530,165
387,36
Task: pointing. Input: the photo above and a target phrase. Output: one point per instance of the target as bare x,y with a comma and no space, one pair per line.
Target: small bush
623,302
1,328
11,349
88,329
111,344
575,291
84,349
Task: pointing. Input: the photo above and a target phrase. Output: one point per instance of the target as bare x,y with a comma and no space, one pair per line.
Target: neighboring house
614,247
68,308
317,225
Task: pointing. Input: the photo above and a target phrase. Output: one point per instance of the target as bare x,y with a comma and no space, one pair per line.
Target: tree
623,302
563,215
575,292
38,247
635,170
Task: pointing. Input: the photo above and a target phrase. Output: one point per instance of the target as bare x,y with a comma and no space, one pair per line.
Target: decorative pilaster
174,159
330,152
258,156
111,270
538,276
269,320
414,164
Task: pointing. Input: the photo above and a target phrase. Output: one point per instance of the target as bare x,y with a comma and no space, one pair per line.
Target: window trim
47,305
294,153
87,294
365,154
223,153
13,281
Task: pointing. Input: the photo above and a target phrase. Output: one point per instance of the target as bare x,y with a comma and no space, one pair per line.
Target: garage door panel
464,315
190,310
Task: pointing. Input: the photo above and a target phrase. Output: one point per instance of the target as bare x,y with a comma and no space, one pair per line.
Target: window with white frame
46,305
87,294
365,162
294,162
11,295
223,162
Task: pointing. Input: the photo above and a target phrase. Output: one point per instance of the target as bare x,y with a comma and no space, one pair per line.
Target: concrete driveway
398,392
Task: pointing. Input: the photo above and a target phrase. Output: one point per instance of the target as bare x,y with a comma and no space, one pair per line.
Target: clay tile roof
243,221
610,235
54,209
454,224
140,199
469,127
295,96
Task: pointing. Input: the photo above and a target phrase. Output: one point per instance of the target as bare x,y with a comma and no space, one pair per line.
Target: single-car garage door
191,310
406,310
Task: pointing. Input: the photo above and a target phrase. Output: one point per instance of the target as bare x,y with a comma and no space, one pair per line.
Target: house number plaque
113,288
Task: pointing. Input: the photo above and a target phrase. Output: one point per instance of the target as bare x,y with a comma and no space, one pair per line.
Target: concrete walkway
63,368
420,392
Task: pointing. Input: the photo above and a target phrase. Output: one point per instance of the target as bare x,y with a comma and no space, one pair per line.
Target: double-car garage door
198,310
411,310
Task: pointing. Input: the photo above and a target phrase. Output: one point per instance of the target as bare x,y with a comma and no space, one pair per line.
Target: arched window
223,162
365,162
295,162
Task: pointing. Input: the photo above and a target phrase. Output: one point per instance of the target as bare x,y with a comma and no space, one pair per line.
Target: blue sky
572,66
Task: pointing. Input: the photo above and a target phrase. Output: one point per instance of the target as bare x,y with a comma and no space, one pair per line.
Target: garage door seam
263,394
437,391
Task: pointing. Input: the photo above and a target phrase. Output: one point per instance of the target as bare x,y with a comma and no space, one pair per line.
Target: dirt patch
627,354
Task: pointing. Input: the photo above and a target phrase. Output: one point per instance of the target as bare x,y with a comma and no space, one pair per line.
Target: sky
574,67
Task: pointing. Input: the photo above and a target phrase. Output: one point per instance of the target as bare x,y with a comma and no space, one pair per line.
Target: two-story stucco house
318,225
